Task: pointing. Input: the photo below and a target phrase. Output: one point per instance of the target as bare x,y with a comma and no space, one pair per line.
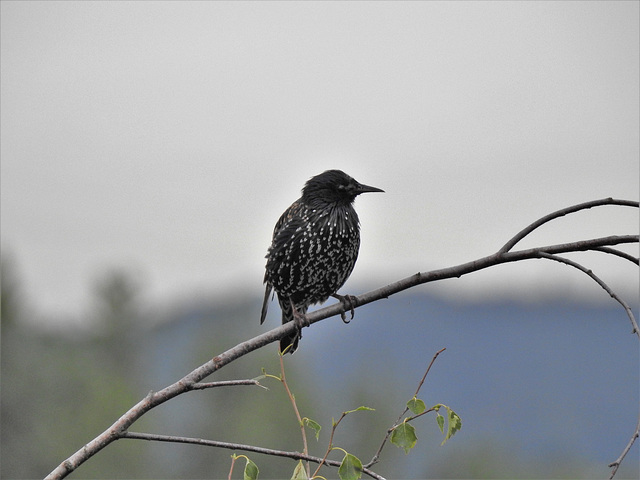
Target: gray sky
168,137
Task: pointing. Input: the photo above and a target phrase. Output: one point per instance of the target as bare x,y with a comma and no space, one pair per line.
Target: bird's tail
265,302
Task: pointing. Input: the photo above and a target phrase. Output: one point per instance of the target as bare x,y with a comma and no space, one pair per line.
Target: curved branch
599,281
240,446
614,466
465,268
619,253
561,213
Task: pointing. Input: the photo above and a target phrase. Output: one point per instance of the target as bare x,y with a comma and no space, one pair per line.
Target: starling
314,248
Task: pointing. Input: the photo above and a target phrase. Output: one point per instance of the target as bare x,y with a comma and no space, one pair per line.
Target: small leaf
250,471
315,426
404,436
362,408
440,420
350,468
416,405
454,423
299,473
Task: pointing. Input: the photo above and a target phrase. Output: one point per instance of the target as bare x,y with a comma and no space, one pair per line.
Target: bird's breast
318,255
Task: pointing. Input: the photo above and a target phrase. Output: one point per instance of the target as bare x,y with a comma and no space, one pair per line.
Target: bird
314,249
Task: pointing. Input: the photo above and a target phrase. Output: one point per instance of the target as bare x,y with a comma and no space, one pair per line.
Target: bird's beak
366,188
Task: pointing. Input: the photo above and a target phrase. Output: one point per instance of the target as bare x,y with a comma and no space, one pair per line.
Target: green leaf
299,473
362,408
350,468
404,436
250,471
440,420
454,423
315,426
416,405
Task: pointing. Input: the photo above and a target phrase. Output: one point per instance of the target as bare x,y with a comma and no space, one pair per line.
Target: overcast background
166,138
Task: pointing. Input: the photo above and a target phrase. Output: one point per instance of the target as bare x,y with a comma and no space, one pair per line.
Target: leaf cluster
403,434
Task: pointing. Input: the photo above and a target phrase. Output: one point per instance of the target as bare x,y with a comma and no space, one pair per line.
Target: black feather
314,247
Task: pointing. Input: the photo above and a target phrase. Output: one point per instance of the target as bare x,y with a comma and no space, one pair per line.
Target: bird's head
334,187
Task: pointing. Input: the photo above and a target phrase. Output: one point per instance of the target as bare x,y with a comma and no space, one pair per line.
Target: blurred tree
10,293
117,295
117,310
56,389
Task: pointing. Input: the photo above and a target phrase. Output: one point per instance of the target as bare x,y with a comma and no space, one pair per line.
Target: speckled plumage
315,246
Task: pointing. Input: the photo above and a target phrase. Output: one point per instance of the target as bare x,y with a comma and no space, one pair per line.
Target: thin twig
634,324
424,377
599,281
330,446
292,399
561,213
334,426
226,383
376,457
615,465
619,253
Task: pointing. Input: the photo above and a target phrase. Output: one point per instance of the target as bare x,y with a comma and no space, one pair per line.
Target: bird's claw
299,319
349,302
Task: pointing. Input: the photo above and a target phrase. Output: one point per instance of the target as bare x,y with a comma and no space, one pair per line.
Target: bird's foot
300,320
349,302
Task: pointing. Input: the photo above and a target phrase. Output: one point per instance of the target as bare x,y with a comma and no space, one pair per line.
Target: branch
616,464
619,253
226,383
191,380
466,268
561,213
239,446
597,279
292,399
635,330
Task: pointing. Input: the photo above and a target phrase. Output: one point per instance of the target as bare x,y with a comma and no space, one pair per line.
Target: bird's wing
288,222
286,229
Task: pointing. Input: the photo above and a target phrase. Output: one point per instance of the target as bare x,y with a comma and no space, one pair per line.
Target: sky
166,138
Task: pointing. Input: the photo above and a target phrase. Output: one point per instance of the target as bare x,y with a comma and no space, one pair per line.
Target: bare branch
619,253
424,377
292,399
239,446
561,213
615,465
226,383
466,268
597,279
330,445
